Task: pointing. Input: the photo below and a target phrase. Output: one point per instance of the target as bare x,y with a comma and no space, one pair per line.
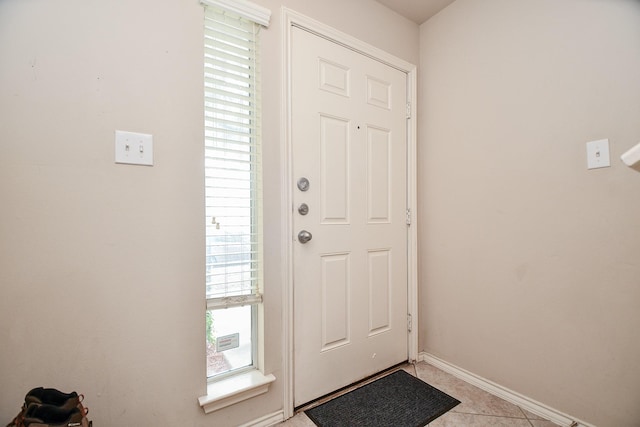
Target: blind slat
233,301
213,94
214,30
237,51
242,118
231,103
229,66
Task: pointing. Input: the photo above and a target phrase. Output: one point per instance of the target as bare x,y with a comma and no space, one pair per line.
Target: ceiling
416,10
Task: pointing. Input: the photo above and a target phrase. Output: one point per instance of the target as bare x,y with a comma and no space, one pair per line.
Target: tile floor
477,408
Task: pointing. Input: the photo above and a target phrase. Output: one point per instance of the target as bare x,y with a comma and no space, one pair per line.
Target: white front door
349,142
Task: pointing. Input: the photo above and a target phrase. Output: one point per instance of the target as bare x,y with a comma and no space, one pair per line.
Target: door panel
334,170
335,300
350,280
378,175
379,291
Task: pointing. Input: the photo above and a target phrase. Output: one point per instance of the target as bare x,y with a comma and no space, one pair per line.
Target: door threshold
346,389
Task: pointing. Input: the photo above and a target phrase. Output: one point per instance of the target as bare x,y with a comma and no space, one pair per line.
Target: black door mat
396,400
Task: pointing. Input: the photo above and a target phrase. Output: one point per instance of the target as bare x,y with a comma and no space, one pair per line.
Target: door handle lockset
303,209
304,236
303,184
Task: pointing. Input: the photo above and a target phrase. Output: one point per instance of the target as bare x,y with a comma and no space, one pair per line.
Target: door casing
292,19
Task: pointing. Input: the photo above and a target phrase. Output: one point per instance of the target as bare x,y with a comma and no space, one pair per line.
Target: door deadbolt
303,184
304,236
303,209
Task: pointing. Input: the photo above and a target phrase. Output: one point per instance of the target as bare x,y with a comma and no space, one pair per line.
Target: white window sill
235,389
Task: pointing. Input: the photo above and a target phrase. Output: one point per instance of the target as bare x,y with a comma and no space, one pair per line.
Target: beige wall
530,263
101,265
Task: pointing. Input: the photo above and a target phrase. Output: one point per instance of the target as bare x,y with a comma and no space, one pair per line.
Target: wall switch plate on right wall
598,154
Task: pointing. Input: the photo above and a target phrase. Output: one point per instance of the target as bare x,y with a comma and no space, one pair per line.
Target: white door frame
292,19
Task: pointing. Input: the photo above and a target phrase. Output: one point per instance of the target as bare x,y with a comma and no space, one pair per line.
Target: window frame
243,383
233,175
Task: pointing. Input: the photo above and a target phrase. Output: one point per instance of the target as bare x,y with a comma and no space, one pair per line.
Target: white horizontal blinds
233,183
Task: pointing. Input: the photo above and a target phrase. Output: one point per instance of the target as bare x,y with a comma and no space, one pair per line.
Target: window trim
243,384
235,389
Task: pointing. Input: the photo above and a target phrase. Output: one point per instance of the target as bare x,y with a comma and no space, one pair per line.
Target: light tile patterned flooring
477,408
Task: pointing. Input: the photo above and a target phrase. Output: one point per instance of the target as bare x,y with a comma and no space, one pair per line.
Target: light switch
134,148
598,154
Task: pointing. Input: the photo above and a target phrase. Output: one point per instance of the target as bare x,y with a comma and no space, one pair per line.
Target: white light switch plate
134,148
598,154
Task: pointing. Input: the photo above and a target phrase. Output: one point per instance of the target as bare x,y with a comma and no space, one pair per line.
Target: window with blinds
232,189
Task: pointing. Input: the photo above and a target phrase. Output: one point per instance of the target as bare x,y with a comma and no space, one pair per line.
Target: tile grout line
525,416
415,370
495,416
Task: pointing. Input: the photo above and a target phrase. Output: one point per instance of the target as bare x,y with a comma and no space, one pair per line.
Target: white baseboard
510,396
266,421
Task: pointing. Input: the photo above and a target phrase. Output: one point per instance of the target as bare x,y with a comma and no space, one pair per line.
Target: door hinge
408,216
409,323
408,110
